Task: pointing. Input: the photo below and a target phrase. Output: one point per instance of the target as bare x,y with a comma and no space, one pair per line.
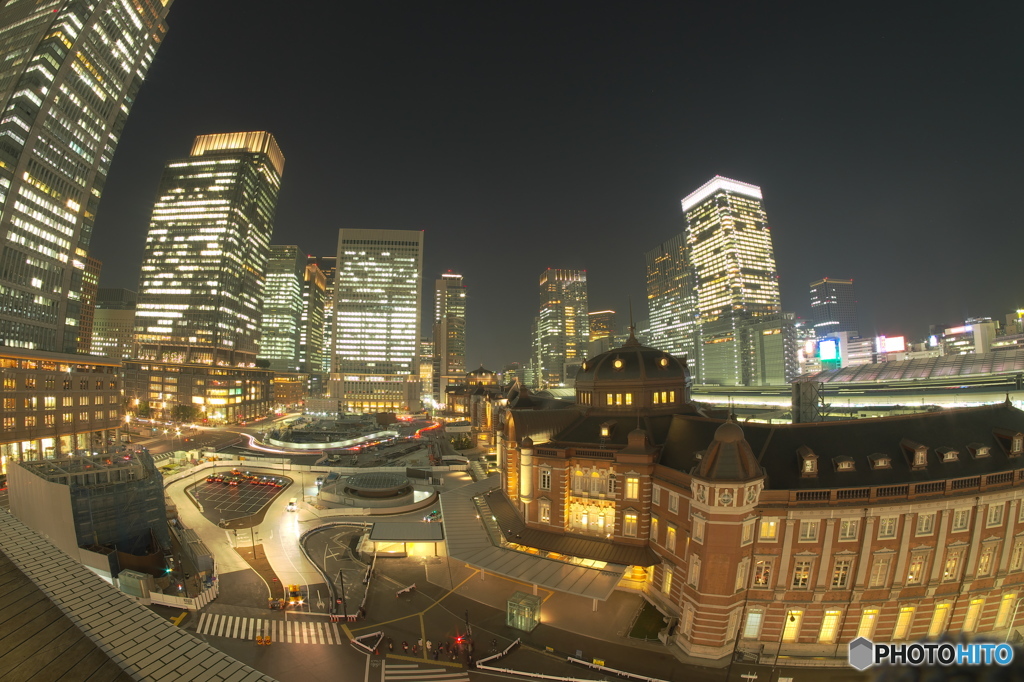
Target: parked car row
235,478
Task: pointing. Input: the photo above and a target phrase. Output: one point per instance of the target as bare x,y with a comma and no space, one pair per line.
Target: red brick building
775,538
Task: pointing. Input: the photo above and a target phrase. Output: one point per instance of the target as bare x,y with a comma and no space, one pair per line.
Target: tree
183,413
143,410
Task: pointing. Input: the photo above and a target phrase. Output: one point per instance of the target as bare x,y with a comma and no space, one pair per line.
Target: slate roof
775,446
515,530
37,641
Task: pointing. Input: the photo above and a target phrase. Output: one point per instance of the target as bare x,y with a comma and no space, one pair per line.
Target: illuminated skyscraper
311,327
377,304
833,306
563,327
281,325
672,302
449,334
327,265
602,324
201,287
70,72
730,249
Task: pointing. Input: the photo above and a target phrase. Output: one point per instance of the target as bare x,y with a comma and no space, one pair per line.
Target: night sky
521,136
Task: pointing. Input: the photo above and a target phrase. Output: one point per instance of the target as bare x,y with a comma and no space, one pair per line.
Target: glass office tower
672,302
730,248
563,325
202,280
281,328
69,74
377,304
449,334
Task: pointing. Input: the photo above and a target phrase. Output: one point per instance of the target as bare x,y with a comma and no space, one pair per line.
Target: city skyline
885,148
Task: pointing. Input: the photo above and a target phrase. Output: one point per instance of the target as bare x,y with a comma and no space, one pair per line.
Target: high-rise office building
563,327
377,304
735,279
90,290
672,302
833,306
71,71
327,265
449,334
311,328
282,308
201,286
113,328
602,324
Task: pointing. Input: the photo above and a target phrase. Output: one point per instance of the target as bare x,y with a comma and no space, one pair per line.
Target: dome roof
632,362
481,372
729,432
729,457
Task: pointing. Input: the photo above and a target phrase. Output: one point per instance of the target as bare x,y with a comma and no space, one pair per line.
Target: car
211,478
295,596
233,480
433,516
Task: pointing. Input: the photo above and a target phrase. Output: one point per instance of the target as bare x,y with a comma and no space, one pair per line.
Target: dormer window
1017,444
916,453
617,364
880,461
808,462
948,454
606,429
663,362
978,450
844,463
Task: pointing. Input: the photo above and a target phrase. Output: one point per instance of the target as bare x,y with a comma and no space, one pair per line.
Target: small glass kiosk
523,611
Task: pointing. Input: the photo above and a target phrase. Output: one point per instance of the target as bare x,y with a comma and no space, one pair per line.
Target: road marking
293,631
180,617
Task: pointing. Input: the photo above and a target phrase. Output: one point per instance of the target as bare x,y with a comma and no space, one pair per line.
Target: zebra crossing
290,632
412,672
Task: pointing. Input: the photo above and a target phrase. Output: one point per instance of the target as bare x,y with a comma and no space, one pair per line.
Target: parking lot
223,502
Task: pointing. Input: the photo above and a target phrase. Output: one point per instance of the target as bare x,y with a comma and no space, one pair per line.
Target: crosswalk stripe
292,631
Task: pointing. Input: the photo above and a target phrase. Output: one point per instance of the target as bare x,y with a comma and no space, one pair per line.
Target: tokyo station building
765,538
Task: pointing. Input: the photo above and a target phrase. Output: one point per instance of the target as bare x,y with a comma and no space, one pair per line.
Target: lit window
769,530
841,573
629,525
973,615
903,623
916,572
1005,606
939,620
762,573
985,561
868,621
670,538
951,569
829,627
666,581
752,628
801,574
632,488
